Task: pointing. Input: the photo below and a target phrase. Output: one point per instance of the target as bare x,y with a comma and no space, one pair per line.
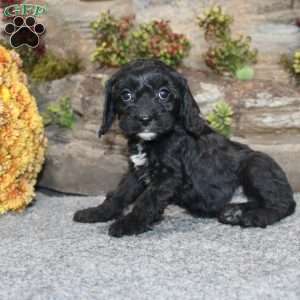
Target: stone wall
266,117
271,24
267,109
266,114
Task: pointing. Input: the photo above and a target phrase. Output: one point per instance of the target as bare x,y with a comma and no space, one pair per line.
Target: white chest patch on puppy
140,158
147,136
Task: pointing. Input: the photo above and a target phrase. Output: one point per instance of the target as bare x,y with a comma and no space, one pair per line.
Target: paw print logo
24,32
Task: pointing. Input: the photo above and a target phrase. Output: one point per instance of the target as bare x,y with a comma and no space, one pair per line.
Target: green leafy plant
296,62
51,67
119,40
221,118
292,65
226,54
60,113
215,22
43,65
286,62
230,55
111,36
157,40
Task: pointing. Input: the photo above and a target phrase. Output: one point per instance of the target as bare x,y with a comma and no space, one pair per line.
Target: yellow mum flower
4,94
22,137
5,56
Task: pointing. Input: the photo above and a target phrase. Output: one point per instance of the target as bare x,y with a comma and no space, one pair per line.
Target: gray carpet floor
44,255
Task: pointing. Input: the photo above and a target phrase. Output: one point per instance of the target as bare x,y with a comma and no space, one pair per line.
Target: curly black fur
176,158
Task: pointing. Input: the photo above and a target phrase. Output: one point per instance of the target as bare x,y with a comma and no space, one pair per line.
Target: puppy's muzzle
145,119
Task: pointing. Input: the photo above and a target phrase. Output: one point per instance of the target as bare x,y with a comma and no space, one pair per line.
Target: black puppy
175,157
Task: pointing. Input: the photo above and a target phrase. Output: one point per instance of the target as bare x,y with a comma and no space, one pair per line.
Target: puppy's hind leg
269,193
194,205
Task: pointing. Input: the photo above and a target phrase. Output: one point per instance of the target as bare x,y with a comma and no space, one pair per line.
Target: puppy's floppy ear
109,113
189,112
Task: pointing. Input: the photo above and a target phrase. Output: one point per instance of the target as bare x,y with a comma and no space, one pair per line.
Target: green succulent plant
292,65
215,22
296,62
111,35
221,118
60,113
245,73
157,40
120,40
226,54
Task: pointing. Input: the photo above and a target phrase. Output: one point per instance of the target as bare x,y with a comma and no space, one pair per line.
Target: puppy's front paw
90,215
126,226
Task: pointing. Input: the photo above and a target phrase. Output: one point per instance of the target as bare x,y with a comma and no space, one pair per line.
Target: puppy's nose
145,119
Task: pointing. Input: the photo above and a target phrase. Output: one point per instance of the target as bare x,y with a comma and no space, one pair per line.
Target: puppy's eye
126,96
163,94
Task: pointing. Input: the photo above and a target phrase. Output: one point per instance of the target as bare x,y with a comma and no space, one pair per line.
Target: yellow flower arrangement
22,138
